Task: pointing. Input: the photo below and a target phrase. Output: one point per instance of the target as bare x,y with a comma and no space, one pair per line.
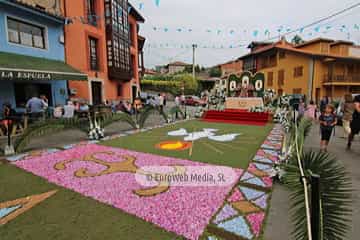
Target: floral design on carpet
272,145
185,211
259,181
174,145
266,156
243,213
11,209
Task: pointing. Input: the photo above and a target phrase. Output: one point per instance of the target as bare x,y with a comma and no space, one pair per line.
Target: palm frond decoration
298,133
48,127
177,110
145,114
335,196
108,119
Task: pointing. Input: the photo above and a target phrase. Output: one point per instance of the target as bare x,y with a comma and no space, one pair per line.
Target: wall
176,69
77,54
55,50
233,67
288,64
314,47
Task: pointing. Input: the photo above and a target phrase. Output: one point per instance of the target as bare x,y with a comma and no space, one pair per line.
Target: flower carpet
94,171
244,211
107,174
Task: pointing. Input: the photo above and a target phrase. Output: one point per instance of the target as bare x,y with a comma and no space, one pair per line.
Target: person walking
161,102
327,123
323,103
355,122
348,109
311,111
301,109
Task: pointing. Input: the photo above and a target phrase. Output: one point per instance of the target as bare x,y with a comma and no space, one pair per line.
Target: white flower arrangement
96,132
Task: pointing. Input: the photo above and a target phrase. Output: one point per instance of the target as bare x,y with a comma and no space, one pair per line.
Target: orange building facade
232,67
102,41
317,68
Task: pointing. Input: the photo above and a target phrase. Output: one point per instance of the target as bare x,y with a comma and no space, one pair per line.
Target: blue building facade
27,31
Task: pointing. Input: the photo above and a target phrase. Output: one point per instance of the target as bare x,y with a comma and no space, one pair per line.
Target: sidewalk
279,225
62,138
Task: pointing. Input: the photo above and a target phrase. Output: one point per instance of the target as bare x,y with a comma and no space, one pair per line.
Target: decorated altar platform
237,112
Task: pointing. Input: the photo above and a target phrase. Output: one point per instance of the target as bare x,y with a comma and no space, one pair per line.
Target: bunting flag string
258,32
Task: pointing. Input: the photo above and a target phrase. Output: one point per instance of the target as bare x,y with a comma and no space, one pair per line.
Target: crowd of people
328,116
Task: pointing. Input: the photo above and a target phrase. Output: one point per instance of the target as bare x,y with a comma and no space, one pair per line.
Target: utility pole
194,46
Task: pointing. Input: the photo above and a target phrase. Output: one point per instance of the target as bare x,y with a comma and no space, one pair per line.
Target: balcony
342,80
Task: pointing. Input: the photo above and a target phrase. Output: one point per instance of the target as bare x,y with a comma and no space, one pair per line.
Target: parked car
193,101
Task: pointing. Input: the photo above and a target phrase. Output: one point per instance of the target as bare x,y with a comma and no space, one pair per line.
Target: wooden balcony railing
341,79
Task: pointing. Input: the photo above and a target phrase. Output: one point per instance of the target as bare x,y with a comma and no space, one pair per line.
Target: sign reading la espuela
24,75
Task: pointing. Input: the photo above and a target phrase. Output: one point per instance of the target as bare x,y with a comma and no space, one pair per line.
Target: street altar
240,103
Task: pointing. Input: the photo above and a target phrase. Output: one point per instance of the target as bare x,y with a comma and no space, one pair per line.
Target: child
327,123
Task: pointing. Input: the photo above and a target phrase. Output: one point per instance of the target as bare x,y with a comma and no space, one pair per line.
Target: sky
223,28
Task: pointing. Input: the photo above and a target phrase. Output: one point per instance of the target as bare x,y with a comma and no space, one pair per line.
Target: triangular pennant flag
25,204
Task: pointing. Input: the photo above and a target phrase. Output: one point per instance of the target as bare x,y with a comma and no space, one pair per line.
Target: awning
21,67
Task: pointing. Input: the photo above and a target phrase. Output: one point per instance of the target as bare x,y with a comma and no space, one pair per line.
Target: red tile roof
283,46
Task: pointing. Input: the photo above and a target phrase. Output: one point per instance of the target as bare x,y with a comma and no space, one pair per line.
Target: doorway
96,90
317,95
25,91
134,93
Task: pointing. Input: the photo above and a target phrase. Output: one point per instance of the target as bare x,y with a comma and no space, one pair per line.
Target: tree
297,40
215,72
190,84
189,69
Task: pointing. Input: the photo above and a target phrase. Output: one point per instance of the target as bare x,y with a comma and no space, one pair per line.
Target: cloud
227,15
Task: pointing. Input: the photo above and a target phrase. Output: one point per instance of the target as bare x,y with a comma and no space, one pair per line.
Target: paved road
279,224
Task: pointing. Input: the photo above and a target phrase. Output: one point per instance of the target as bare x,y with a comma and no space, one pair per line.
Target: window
94,61
297,91
118,38
272,60
25,34
282,54
131,27
281,77
119,90
91,12
270,79
298,71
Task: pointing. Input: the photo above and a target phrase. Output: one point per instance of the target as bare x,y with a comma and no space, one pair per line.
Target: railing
342,79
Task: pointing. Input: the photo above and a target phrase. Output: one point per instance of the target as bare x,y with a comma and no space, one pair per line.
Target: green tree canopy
215,72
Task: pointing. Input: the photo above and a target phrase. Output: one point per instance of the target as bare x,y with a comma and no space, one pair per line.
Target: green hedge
173,84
